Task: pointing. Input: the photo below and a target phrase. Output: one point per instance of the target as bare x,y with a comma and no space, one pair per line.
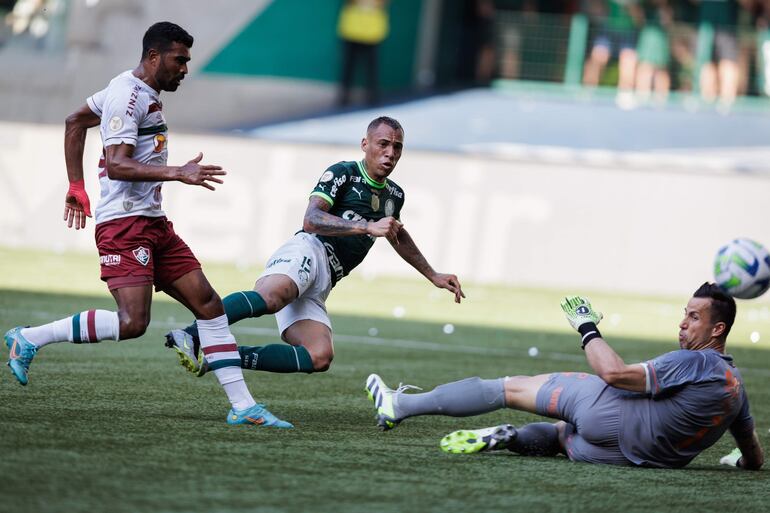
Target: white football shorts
303,259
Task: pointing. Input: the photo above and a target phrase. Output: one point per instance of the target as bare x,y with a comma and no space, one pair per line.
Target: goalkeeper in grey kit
659,413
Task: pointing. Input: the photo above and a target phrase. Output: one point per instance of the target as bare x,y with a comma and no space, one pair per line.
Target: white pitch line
434,346
421,345
399,342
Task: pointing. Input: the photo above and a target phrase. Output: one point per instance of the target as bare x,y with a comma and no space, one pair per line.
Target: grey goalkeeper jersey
693,398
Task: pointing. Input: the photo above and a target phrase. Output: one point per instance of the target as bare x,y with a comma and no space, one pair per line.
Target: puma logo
357,192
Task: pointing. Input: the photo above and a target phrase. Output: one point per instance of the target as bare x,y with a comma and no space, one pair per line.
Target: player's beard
165,82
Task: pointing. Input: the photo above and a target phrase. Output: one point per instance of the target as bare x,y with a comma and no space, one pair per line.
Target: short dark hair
384,120
162,35
722,304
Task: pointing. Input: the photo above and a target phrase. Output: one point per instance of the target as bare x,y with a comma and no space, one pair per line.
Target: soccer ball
742,269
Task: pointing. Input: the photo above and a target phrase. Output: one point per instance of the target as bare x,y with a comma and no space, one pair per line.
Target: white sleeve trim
647,385
92,105
114,141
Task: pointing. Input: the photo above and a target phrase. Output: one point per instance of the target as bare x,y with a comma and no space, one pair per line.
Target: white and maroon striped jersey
130,111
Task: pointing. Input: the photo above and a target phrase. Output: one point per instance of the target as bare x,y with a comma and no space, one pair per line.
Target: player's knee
322,360
513,384
275,300
132,326
277,291
273,303
209,305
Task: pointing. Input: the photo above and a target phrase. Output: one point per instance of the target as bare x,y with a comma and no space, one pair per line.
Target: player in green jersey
353,204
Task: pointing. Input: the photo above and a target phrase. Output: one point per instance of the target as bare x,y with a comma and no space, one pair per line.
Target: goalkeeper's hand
579,311
731,459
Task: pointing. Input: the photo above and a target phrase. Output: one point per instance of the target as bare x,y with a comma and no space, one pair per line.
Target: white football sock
222,356
89,326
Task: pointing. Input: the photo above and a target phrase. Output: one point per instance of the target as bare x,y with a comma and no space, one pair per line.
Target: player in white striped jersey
137,244
149,136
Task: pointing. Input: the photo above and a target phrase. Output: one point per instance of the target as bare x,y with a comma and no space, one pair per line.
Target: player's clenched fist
387,227
193,173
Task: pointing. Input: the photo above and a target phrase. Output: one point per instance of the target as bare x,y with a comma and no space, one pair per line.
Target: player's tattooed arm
408,250
319,220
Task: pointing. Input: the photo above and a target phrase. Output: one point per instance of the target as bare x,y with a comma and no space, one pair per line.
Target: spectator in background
362,26
761,19
5,19
683,40
653,51
28,18
511,38
485,56
477,50
719,74
618,21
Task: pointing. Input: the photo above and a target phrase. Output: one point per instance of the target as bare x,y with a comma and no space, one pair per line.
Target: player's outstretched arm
408,250
120,165
319,220
749,454
76,203
607,364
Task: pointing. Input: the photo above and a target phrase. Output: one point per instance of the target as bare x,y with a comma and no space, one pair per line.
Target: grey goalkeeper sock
464,398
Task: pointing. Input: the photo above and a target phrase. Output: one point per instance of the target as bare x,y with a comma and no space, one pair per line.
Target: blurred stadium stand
256,61
495,154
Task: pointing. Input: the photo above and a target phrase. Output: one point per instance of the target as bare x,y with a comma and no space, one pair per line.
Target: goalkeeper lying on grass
659,413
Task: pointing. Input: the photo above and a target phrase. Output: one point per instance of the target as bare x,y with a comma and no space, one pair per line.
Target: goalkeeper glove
582,317
731,459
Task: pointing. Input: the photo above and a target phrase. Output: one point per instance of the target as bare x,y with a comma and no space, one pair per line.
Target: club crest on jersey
375,202
328,175
390,207
128,205
159,141
116,123
142,255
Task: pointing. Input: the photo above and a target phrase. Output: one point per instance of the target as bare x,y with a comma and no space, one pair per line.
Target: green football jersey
354,195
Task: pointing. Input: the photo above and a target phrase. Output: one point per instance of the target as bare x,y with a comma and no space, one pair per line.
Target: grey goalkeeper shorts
591,409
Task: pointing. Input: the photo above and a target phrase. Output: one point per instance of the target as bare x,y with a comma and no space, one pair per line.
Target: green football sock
276,358
238,306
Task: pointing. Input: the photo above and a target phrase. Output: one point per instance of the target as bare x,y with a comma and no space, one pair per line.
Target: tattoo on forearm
408,250
324,223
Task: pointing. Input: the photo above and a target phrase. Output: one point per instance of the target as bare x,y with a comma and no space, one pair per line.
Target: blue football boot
21,351
257,415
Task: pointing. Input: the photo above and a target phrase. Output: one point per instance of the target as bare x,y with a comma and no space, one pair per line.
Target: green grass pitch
121,427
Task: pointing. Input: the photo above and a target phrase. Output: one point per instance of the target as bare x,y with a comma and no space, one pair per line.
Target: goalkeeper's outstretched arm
752,456
607,364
